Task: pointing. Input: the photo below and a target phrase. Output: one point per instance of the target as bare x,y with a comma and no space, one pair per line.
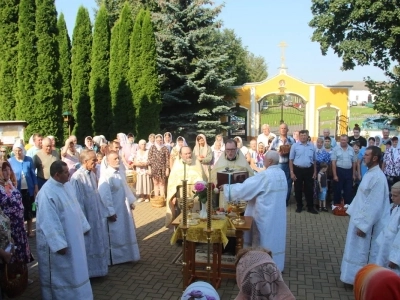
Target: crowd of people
94,176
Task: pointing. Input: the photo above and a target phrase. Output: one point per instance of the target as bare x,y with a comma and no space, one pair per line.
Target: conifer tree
80,71
64,44
27,65
147,94
99,90
194,85
8,58
48,105
121,95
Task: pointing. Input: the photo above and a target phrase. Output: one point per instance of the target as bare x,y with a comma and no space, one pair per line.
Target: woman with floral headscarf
203,153
258,277
159,164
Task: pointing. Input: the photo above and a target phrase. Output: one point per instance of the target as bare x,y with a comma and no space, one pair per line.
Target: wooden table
197,270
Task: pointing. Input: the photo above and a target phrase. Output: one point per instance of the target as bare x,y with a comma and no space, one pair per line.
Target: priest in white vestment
119,200
232,159
266,196
193,173
369,214
84,181
60,226
389,239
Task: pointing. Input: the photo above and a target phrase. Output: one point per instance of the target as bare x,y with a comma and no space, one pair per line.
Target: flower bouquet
200,191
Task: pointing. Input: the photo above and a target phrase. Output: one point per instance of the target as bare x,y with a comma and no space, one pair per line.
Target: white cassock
117,197
85,185
266,195
389,242
61,224
368,212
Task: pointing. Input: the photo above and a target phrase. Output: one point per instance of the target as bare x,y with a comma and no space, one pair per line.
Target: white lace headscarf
122,138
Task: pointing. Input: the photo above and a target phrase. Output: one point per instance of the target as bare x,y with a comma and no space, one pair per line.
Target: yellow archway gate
310,98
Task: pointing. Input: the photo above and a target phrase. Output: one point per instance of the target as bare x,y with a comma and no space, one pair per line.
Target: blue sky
262,25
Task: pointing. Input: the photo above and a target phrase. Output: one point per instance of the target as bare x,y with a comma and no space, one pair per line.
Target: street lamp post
282,95
67,119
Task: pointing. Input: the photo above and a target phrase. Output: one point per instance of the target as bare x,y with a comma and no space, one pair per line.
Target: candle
209,196
184,170
184,204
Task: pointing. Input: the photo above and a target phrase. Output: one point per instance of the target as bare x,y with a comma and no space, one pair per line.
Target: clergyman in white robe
117,196
266,196
85,185
368,212
389,242
61,224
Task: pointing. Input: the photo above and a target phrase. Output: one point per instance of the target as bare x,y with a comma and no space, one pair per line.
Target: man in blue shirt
303,171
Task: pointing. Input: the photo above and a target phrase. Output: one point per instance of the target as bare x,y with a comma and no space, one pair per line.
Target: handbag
339,209
14,279
284,150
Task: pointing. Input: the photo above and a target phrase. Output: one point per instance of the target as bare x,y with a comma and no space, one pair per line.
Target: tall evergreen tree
194,83
146,94
8,58
80,68
99,90
121,95
64,44
27,65
48,107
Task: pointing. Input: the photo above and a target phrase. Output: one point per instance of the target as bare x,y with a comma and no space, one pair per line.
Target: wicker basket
340,210
14,279
157,201
131,178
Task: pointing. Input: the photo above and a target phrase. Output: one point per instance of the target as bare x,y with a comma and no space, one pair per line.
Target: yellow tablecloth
196,233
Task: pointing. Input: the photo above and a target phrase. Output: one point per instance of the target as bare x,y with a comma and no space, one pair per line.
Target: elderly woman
258,277
321,155
159,164
203,153
11,204
374,282
152,138
257,164
90,145
143,171
24,170
70,156
243,148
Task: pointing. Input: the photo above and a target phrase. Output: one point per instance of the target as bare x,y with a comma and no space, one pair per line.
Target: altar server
60,226
389,239
264,193
84,181
369,213
118,199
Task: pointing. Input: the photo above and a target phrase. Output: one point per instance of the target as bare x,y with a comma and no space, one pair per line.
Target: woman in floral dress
11,204
159,164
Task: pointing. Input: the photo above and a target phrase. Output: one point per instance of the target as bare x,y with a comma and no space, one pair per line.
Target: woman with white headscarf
143,171
159,164
24,171
168,141
180,142
203,153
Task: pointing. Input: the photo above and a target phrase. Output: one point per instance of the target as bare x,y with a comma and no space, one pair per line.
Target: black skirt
27,201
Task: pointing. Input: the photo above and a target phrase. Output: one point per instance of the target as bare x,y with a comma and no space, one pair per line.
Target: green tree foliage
48,106
27,65
362,33
64,44
256,67
8,58
80,67
194,83
121,95
236,64
114,7
144,76
99,90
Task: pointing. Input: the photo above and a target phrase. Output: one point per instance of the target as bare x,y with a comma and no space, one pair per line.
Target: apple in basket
220,211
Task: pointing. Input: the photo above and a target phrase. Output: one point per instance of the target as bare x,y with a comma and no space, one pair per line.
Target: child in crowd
322,181
395,141
389,239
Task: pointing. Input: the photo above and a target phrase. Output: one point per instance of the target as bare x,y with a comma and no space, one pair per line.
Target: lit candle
209,196
184,170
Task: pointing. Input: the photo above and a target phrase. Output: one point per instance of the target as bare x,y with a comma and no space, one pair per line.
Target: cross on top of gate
283,45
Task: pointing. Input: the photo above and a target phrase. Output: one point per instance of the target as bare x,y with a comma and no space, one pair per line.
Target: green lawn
292,116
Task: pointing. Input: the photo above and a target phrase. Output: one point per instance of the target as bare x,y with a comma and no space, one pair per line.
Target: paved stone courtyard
312,268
